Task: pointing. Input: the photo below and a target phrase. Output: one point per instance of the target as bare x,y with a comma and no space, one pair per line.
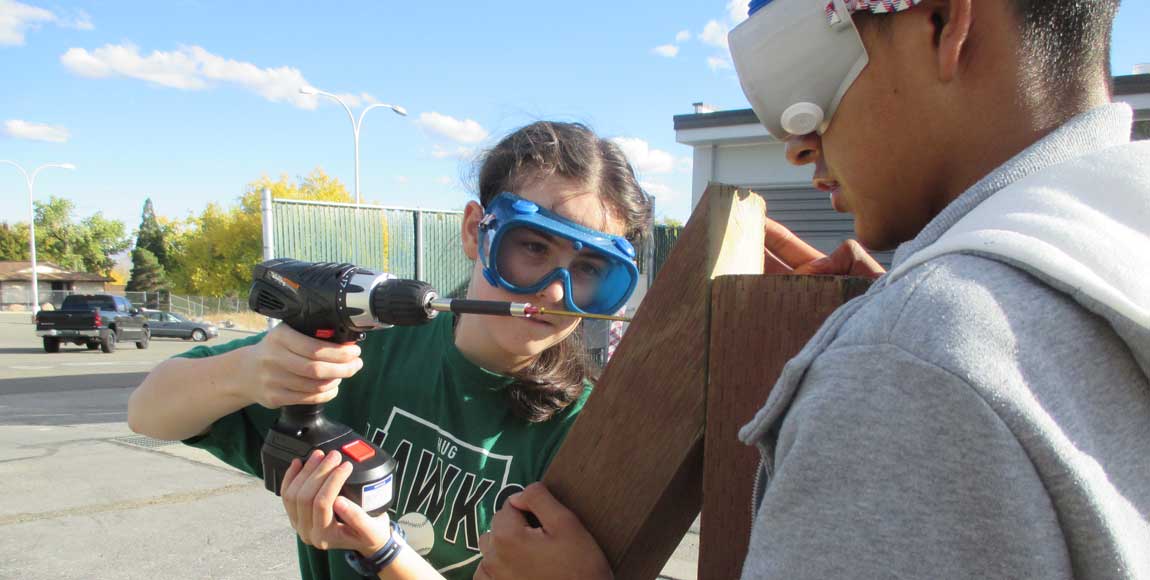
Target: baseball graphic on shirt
420,533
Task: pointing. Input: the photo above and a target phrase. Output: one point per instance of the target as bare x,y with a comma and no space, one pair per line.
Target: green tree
219,247
86,246
151,235
147,272
98,239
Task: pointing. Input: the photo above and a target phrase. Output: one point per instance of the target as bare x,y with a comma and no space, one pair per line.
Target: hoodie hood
1081,226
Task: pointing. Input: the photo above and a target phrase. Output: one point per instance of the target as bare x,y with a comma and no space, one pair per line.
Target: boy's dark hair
1066,41
570,150
1063,42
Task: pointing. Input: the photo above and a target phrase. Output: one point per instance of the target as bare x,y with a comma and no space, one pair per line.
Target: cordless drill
336,303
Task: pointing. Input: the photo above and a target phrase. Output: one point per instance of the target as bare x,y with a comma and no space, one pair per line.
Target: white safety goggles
797,58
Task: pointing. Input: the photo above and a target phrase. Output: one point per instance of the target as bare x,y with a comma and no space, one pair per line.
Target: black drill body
337,303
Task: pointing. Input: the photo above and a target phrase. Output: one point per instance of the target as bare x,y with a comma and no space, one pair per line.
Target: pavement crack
168,499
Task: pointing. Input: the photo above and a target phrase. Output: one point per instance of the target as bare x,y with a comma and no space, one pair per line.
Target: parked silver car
172,325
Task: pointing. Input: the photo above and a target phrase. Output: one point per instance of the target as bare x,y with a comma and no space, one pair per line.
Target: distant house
54,283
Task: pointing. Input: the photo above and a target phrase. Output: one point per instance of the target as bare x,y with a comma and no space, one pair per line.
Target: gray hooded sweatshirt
984,410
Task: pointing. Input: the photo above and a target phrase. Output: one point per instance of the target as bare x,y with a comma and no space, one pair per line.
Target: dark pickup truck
93,320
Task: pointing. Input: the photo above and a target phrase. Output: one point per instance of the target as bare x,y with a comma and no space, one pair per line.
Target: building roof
22,272
1132,84
1123,85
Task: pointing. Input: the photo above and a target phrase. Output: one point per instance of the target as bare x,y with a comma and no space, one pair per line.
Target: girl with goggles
524,248
490,398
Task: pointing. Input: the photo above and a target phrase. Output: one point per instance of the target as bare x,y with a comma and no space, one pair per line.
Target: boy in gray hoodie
984,410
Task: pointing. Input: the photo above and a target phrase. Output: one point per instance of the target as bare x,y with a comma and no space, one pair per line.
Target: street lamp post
31,180
355,125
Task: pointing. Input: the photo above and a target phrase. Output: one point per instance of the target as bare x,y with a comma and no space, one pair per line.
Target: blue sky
187,101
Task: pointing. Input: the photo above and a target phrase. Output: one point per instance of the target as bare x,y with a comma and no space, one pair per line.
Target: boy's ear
472,215
952,20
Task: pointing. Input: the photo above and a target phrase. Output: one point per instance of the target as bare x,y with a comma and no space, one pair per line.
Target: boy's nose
803,149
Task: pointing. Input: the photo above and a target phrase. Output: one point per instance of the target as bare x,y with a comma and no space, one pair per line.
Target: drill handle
302,415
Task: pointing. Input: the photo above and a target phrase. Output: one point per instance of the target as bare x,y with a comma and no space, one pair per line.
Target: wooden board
631,467
758,323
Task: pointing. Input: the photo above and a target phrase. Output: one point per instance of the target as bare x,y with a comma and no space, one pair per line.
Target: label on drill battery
378,494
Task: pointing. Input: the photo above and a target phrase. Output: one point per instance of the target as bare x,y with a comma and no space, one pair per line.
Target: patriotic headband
872,6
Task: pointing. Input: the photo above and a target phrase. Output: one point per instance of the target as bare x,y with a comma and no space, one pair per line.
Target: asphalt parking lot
84,497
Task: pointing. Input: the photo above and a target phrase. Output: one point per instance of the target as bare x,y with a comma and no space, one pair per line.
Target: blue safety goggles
524,248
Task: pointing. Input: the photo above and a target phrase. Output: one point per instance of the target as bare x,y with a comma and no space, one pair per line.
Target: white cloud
466,131
83,22
459,152
715,34
443,180
737,11
718,63
643,158
683,36
18,129
191,68
170,69
667,50
402,179
279,84
353,100
16,19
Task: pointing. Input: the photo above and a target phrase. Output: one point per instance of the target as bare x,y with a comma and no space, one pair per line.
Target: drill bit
516,309
540,311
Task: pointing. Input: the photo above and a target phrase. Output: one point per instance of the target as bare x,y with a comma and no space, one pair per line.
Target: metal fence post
269,235
649,255
419,244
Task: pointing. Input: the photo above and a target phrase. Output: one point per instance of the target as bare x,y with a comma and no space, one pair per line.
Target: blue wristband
370,566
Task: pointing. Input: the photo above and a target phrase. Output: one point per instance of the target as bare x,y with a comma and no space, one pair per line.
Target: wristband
370,566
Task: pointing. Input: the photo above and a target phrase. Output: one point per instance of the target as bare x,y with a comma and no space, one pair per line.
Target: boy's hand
311,497
559,549
289,368
787,254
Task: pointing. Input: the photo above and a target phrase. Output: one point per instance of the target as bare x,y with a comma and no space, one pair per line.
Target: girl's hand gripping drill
335,303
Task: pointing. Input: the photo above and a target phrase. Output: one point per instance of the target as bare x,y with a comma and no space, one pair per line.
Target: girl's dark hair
540,150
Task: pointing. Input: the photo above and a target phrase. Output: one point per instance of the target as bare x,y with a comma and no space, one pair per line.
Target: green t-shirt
460,450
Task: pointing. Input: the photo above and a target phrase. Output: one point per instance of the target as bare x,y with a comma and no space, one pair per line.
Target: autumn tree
220,246
14,242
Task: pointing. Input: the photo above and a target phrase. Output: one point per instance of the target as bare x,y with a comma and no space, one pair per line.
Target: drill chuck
403,302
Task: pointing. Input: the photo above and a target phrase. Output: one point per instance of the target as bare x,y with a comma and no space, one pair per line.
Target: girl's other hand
290,368
311,498
561,548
